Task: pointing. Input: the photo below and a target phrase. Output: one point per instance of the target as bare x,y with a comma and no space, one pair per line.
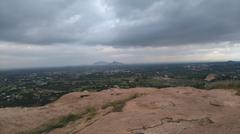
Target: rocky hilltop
135,111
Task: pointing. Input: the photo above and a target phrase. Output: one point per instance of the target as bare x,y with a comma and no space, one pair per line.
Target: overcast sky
79,32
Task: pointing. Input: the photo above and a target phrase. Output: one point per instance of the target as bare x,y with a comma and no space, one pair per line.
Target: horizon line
65,66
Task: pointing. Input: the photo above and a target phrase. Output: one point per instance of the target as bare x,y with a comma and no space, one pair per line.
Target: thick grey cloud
120,23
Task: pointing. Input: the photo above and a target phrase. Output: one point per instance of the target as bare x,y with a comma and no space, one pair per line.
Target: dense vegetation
35,87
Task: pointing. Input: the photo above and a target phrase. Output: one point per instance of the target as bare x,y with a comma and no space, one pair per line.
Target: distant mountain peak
116,63
108,63
101,63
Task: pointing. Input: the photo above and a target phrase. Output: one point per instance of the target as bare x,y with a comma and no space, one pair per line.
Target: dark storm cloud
181,22
120,23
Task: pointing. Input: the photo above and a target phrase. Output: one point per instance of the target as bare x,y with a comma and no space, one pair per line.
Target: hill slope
134,111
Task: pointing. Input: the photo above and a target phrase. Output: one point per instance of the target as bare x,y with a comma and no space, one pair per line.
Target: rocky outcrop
139,111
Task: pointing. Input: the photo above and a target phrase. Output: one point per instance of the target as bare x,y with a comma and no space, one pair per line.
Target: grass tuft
119,104
63,121
91,112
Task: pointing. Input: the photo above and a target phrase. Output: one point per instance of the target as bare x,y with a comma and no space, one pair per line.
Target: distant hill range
104,63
